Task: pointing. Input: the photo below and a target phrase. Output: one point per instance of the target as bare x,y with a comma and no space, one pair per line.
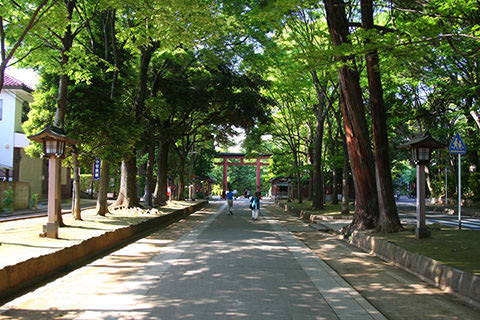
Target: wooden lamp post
421,147
53,140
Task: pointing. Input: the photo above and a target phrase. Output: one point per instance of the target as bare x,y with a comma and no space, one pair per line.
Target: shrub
8,199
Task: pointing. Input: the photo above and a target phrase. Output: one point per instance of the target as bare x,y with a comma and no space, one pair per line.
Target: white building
15,98
15,164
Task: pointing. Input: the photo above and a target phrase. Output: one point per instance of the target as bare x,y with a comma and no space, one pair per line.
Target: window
25,110
1,109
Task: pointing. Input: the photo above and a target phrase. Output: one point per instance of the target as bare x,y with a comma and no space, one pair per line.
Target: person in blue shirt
255,205
230,201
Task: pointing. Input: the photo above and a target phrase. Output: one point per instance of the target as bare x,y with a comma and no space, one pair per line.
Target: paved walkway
215,266
42,208
227,267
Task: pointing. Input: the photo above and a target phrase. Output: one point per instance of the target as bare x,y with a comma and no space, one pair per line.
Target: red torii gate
241,156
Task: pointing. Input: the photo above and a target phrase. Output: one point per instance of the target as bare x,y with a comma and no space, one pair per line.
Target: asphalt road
407,211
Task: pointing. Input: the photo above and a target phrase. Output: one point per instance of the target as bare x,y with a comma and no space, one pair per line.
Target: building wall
7,127
31,170
21,97
21,193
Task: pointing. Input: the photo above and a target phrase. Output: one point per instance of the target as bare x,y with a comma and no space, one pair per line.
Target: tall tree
388,216
56,39
358,140
308,31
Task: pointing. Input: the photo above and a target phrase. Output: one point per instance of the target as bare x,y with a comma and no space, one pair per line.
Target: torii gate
241,156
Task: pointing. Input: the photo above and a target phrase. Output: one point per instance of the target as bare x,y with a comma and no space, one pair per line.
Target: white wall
7,127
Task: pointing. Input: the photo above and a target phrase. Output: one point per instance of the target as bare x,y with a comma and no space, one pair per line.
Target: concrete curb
462,284
26,273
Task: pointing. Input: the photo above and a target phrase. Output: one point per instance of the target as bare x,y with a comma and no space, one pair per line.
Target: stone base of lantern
50,230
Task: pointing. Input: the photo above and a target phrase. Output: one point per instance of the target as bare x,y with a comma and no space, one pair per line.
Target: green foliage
8,199
472,186
34,201
240,178
250,64
86,183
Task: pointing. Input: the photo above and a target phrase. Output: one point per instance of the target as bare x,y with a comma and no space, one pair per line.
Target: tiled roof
10,82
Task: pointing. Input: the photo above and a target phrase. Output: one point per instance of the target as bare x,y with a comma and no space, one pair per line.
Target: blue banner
96,169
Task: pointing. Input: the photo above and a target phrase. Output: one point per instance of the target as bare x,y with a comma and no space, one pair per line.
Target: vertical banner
96,169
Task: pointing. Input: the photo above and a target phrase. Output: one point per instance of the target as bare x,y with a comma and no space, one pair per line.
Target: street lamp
421,147
53,140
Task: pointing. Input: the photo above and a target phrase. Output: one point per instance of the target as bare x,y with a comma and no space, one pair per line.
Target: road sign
457,146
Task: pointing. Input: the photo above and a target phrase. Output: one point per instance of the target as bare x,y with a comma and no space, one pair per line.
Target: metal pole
446,185
459,191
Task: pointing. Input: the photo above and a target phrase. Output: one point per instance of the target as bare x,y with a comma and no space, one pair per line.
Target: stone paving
214,266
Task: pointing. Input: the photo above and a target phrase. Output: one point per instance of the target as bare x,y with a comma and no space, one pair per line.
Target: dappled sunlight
217,267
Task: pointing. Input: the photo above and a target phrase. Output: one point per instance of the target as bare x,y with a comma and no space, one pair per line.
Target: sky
27,76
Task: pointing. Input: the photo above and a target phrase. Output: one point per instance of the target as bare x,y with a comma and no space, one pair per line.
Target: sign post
458,147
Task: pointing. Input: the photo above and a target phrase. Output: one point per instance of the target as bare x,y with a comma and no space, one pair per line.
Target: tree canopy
329,88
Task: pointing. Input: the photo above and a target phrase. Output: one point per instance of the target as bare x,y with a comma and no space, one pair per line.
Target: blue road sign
96,169
457,146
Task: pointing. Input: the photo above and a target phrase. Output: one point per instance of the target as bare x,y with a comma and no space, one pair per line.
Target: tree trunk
162,164
76,210
428,181
310,173
128,183
388,216
58,207
358,142
59,122
346,167
141,173
333,151
122,192
102,204
361,163
181,180
334,186
317,188
132,182
149,183
298,179
345,180
127,195
67,43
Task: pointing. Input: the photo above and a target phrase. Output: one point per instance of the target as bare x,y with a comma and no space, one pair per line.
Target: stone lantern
421,147
54,141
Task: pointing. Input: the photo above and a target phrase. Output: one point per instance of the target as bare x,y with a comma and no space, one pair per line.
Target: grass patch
328,210
457,248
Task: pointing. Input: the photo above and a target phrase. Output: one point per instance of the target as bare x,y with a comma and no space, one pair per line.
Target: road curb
463,284
22,275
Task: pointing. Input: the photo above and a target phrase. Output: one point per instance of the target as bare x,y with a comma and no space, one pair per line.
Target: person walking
255,205
230,202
